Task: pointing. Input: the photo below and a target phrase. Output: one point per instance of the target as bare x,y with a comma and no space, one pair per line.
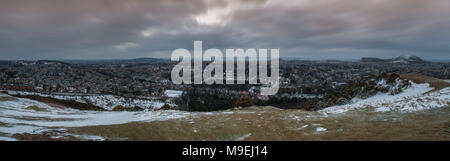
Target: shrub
244,102
166,107
118,108
122,108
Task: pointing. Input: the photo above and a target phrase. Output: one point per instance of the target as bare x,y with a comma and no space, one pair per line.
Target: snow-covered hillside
107,102
416,97
20,115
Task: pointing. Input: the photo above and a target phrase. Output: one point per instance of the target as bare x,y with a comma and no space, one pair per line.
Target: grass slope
437,84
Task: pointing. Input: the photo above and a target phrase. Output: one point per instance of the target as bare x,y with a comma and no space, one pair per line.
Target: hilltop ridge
406,59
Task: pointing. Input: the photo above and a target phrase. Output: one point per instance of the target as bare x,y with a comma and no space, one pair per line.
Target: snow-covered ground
417,97
243,137
107,102
28,116
173,93
20,115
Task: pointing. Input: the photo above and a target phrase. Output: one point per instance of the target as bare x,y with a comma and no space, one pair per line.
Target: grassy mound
36,108
364,88
7,98
437,84
122,108
63,103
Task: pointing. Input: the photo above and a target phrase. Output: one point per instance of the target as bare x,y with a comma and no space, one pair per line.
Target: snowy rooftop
173,93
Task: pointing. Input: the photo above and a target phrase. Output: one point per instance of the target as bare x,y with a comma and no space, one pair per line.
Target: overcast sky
305,29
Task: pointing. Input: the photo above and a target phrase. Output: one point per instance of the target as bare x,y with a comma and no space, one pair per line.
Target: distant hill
369,59
119,61
87,61
38,62
406,59
145,60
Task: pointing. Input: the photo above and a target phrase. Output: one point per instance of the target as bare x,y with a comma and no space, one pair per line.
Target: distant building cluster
152,78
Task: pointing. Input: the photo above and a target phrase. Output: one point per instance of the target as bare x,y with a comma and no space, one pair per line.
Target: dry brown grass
271,124
437,84
36,108
7,98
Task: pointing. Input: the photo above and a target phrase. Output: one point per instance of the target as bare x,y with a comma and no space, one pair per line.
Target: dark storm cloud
83,29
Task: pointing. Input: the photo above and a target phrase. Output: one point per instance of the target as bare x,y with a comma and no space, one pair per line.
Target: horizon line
281,58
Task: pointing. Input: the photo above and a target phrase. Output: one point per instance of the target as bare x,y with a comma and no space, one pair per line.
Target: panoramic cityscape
101,70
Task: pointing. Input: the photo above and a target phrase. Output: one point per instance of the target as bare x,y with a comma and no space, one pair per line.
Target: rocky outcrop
384,83
122,108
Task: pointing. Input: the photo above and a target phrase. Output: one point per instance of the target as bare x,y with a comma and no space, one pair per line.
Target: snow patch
321,129
411,99
173,93
243,137
16,118
304,126
107,102
7,139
